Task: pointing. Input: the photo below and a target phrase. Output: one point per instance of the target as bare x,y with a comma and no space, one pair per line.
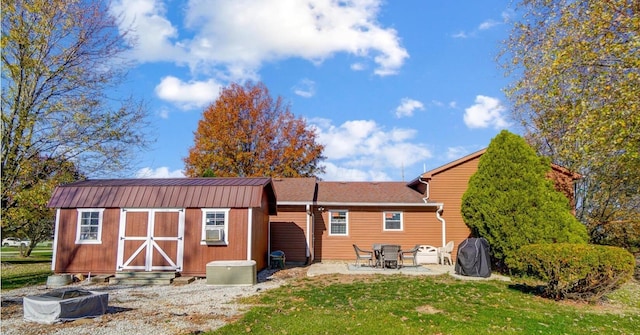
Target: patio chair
363,255
390,254
410,254
445,253
278,259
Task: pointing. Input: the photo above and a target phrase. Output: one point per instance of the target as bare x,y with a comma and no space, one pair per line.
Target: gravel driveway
161,309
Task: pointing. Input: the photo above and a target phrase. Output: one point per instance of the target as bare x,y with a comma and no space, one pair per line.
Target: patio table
378,255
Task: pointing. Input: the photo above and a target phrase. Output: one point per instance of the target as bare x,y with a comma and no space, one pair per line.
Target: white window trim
100,224
331,233
384,221
226,225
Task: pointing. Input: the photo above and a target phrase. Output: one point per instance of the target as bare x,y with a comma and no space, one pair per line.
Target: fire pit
64,305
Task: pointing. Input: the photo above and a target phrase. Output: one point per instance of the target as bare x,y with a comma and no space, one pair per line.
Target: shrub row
575,271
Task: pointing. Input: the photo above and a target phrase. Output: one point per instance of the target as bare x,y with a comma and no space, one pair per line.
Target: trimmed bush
575,271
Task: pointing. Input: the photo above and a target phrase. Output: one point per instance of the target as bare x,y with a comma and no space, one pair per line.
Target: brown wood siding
289,231
420,226
260,238
85,258
448,187
196,256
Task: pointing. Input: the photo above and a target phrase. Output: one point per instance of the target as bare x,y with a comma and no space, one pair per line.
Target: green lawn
345,304
20,271
431,305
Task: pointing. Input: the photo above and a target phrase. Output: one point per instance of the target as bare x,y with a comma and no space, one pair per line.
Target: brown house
319,220
104,226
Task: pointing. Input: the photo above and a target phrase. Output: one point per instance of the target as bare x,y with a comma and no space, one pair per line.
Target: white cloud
460,34
161,172
305,88
486,112
485,25
358,67
364,146
163,113
337,173
189,95
148,30
407,106
488,24
454,153
236,37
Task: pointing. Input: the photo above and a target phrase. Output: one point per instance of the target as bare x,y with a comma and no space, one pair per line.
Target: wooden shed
106,226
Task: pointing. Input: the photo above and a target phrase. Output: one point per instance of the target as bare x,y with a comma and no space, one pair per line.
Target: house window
392,220
215,225
338,222
89,226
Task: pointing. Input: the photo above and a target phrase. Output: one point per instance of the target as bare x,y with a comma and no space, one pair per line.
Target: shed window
89,226
392,220
339,224
215,226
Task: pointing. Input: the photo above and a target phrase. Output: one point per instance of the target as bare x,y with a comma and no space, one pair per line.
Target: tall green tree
246,133
511,202
576,90
60,62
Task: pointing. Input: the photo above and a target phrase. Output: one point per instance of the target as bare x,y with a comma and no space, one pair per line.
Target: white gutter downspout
444,226
249,233
438,212
55,240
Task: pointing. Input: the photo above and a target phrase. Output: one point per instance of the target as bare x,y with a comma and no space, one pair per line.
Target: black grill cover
473,258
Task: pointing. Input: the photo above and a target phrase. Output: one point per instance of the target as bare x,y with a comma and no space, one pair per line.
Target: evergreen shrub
575,271
510,201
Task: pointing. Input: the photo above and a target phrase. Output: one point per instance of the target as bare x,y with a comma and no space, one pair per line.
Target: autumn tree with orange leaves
246,133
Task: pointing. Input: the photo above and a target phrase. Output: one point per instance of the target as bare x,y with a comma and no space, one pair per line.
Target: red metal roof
165,193
295,190
368,193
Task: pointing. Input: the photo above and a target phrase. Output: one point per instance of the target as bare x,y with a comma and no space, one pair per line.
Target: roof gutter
368,204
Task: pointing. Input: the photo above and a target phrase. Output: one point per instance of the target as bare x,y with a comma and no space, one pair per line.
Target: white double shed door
151,239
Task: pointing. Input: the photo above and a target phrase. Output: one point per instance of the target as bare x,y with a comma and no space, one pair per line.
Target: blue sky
392,87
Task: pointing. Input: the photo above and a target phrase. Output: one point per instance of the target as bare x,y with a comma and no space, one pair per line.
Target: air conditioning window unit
214,235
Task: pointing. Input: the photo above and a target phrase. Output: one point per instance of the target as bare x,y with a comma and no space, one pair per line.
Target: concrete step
146,275
139,281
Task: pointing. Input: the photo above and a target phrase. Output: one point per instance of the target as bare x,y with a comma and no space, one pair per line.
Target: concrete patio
325,268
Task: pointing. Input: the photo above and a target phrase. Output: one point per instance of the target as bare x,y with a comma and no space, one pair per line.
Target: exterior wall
196,256
448,187
260,237
365,228
85,258
102,258
289,232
